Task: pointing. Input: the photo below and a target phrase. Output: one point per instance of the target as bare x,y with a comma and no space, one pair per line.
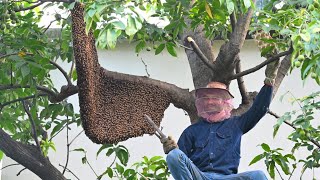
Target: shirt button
211,153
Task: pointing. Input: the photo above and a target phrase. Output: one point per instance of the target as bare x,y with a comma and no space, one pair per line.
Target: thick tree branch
198,51
65,74
224,64
180,98
29,157
33,125
269,60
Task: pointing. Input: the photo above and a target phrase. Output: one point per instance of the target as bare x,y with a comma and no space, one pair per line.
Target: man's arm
258,109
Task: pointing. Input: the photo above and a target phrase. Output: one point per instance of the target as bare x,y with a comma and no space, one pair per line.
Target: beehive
111,109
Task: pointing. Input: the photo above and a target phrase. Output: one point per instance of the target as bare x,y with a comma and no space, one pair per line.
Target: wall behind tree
175,71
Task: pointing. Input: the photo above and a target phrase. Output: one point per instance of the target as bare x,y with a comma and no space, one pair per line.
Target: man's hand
271,72
168,144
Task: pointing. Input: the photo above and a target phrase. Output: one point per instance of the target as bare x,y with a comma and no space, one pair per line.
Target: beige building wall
175,71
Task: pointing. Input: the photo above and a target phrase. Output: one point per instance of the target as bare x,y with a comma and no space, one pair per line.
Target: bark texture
30,157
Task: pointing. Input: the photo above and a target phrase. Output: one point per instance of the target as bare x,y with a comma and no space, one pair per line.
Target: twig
278,172
33,125
31,7
45,30
233,20
181,45
21,99
242,87
68,148
92,168
10,165
269,60
161,135
62,71
21,171
288,123
197,50
17,86
70,172
76,137
145,67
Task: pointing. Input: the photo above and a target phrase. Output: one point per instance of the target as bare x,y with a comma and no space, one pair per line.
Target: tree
29,100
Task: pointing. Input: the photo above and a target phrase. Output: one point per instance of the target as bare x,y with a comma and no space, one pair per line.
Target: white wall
176,71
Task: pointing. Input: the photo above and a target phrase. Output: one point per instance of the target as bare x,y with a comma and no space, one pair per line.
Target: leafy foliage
305,136
294,24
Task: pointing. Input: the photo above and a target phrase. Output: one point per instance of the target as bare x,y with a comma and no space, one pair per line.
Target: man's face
213,101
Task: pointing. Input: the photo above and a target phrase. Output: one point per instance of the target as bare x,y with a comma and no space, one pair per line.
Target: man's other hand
168,144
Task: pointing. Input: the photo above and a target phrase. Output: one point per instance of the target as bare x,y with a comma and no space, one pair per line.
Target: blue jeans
182,168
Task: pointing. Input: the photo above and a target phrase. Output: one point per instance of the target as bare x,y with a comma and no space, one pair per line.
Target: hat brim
223,92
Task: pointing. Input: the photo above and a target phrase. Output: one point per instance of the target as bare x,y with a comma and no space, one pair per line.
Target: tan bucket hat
214,86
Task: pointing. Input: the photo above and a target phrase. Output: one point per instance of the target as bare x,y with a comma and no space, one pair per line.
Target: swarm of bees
111,109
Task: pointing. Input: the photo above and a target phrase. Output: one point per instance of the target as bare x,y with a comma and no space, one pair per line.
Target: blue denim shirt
215,147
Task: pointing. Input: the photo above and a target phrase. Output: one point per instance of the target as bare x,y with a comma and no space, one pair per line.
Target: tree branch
31,7
17,86
20,99
197,50
68,148
269,60
291,125
180,98
241,85
65,74
233,21
33,125
70,172
29,157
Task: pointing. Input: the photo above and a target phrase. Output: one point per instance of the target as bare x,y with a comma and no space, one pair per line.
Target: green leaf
1,155
271,169
105,146
110,172
57,128
140,46
88,25
109,152
247,3
171,49
306,37
256,159
25,70
159,49
208,9
155,158
79,150
112,37
265,147
230,6
123,156
84,160
131,28
119,25
119,168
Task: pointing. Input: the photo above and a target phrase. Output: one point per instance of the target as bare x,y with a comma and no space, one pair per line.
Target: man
210,148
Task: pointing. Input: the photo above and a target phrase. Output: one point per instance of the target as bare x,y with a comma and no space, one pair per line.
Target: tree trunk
30,157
